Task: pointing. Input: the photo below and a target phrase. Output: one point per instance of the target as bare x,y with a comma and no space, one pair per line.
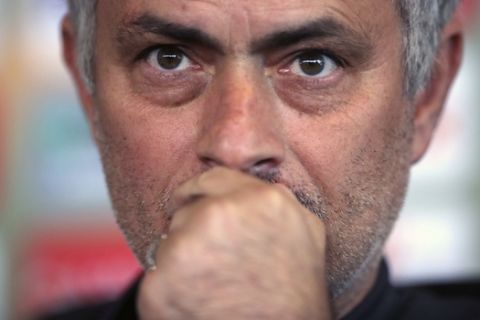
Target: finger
215,182
317,230
183,214
315,225
152,250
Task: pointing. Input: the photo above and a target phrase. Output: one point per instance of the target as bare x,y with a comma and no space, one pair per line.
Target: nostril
265,164
265,169
210,162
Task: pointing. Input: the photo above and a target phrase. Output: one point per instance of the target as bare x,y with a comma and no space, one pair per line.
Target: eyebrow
322,28
357,44
158,26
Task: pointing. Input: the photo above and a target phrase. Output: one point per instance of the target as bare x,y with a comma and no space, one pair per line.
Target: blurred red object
62,268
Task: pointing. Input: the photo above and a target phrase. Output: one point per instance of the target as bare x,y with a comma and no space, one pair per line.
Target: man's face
304,93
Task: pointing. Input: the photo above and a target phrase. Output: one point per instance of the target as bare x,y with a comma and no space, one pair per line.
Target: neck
356,293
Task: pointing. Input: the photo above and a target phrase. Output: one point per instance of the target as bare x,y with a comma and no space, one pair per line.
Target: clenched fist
238,248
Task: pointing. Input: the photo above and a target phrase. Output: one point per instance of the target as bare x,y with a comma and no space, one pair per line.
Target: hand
238,248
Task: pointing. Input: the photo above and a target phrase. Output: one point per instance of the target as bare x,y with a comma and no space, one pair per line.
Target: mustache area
315,203
312,201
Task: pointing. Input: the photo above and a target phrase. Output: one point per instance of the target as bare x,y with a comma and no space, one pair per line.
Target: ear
429,102
70,58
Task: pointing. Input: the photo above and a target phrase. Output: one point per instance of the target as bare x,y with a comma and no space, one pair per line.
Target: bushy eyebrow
154,25
357,44
325,28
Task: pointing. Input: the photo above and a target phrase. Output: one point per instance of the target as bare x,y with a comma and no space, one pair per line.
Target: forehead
253,18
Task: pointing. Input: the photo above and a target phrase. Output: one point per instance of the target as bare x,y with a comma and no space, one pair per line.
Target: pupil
169,59
312,63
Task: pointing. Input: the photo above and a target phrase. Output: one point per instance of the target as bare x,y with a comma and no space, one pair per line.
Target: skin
227,154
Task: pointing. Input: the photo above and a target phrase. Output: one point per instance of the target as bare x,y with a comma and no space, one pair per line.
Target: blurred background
58,241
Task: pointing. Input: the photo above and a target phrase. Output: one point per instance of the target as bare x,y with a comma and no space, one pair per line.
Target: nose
241,127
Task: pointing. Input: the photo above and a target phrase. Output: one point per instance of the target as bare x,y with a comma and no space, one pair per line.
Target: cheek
146,152
145,148
357,144
141,134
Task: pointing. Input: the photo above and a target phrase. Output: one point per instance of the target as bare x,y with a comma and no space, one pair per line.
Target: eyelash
338,60
342,63
304,80
144,54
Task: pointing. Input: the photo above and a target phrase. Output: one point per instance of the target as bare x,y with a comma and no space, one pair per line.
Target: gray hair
423,21
82,15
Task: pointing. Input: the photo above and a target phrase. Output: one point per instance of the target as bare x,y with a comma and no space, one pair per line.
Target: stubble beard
372,195
347,260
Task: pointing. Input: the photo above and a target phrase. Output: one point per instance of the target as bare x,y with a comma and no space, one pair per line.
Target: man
257,152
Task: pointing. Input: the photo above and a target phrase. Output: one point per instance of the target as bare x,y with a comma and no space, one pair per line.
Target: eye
169,58
314,63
